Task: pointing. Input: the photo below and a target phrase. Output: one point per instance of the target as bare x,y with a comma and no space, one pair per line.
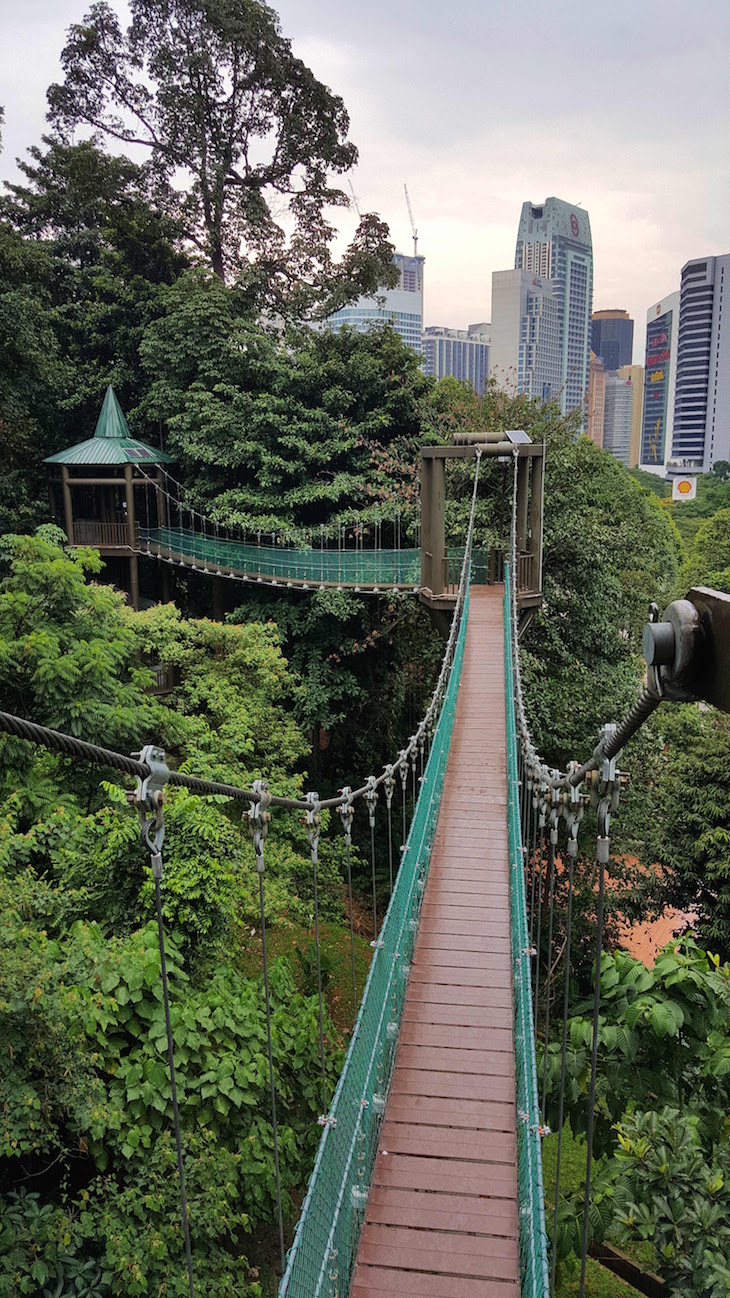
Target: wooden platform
442,1215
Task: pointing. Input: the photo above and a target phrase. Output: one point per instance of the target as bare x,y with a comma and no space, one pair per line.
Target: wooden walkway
441,1220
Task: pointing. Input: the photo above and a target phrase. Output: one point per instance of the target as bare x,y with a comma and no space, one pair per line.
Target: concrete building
596,400
612,338
662,332
525,350
619,409
634,374
461,352
554,242
701,426
402,306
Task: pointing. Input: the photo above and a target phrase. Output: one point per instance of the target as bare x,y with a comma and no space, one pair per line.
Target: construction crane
413,224
354,200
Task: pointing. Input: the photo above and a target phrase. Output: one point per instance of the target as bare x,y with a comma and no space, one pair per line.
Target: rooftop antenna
413,224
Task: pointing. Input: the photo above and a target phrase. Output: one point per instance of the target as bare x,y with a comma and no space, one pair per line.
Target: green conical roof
111,421
111,443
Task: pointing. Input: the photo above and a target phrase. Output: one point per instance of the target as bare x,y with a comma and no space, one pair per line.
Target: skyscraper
402,306
596,400
634,375
617,418
554,242
461,352
524,355
612,338
701,430
662,329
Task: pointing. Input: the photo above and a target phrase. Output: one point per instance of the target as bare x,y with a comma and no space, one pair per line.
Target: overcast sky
621,106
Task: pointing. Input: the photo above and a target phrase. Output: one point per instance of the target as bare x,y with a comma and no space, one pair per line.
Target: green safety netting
533,1236
325,1245
339,567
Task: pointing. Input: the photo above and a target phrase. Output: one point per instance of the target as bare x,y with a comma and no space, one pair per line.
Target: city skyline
432,103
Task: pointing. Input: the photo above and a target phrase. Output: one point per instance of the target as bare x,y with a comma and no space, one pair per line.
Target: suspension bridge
428,1176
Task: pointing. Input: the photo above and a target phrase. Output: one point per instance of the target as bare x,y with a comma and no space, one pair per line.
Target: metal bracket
371,798
346,812
313,822
149,797
258,820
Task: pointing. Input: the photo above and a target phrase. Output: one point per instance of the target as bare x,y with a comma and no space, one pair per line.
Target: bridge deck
441,1220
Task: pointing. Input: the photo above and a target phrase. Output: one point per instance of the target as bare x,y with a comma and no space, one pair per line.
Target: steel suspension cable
157,872
602,861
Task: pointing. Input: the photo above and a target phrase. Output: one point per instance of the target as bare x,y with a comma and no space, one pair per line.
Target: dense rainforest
192,279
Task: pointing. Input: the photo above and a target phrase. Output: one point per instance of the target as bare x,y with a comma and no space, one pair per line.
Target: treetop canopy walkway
428,1177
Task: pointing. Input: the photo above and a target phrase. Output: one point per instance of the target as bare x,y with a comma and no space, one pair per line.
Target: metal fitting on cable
149,797
371,798
554,808
259,817
389,786
403,755
346,812
313,821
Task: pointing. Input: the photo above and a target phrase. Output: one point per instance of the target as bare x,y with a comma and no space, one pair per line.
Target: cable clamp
326,1120
529,950
149,797
312,819
258,820
541,1129
371,799
346,812
377,945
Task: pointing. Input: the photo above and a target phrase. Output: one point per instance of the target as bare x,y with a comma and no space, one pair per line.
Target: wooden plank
425,992
443,1212
489,1180
482,1063
435,1260
443,1142
374,1281
455,1086
457,1036
476,1115
485,1017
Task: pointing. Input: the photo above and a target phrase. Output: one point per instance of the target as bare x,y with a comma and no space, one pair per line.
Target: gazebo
104,485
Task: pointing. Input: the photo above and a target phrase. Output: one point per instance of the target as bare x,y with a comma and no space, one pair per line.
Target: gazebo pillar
68,511
132,535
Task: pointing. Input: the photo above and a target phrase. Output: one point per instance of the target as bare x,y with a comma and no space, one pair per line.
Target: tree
33,378
278,435
708,563
662,1096
215,93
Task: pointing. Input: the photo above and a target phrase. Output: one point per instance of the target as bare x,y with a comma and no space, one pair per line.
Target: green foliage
691,837
662,1100
708,563
678,1199
216,95
276,436
68,650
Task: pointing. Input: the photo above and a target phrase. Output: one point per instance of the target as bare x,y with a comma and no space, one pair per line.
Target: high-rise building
554,242
701,429
596,400
612,338
662,331
402,306
524,355
619,409
461,352
634,374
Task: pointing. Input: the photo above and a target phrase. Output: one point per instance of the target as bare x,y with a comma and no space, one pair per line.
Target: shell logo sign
684,488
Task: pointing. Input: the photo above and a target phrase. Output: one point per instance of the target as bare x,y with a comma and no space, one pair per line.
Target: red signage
574,224
657,358
656,339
